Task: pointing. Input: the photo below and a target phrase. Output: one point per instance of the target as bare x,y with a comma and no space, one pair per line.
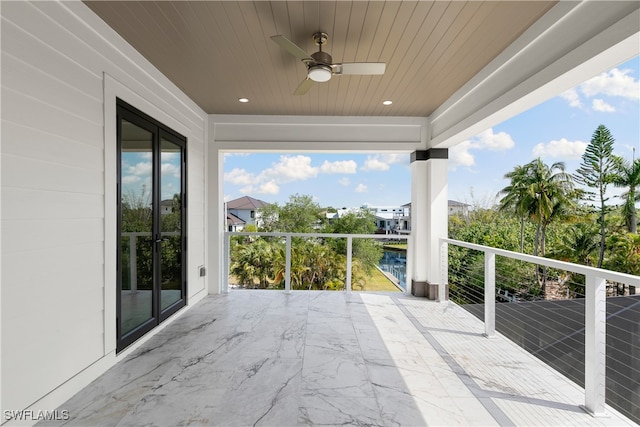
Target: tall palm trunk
521,234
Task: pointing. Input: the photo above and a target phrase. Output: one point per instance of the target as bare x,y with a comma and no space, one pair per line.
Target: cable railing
301,260
573,317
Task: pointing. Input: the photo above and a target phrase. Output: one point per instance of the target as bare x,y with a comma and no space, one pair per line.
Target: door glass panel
136,251
171,223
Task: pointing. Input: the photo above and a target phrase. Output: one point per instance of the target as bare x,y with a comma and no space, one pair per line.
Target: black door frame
159,131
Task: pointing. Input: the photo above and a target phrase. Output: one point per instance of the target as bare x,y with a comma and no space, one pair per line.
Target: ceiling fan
320,66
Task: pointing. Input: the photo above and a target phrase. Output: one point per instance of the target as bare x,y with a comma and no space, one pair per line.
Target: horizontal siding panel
39,204
31,112
68,282
53,349
39,54
35,22
29,142
18,269
38,84
20,172
27,235
114,62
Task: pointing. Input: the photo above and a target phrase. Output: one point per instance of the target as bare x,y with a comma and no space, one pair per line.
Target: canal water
395,263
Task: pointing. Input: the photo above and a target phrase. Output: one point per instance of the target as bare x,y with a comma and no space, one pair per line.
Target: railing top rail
613,276
333,235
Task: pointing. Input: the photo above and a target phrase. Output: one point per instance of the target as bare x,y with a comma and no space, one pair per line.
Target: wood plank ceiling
217,52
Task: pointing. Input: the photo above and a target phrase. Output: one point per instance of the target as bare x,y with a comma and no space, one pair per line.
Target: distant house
403,222
242,212
166,207
390,219
458,208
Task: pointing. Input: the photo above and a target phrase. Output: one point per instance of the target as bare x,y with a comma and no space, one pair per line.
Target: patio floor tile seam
492,408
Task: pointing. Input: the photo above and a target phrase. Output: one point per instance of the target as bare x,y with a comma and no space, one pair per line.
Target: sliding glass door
151,224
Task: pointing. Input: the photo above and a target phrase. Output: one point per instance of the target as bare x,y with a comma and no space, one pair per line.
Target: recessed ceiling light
387,102
243,100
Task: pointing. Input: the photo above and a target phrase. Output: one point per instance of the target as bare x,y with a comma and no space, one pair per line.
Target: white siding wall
61,70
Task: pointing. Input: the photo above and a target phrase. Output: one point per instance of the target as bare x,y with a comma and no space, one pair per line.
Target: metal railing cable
561,325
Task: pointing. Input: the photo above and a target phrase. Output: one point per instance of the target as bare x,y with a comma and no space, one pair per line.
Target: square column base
428,290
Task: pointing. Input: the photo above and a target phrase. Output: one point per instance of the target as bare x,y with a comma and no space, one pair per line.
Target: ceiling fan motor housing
322,58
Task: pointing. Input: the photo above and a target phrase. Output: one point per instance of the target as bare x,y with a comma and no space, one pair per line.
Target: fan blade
359,68
304,86
291,47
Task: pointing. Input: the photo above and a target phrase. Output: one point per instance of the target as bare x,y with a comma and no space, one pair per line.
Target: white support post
595,344
287,276
349,262
225,263
444,271
133,263
489,294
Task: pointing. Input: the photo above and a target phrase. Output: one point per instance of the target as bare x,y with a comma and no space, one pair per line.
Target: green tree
515,197
628,176
550,193
578,245
253,261
299,215
367,251
597,170
625,255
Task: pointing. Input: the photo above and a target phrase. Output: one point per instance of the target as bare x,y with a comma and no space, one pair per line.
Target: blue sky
557,130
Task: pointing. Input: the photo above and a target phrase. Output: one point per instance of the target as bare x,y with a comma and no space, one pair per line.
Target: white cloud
344,181
170,169
459,155
268,188
289,169
166,156
239,177
600,105
140,169
395,158
572,98
361,188
614,82
492,141
373,163
130,179
562,149
341,166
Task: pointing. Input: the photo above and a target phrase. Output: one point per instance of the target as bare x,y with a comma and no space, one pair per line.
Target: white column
429,221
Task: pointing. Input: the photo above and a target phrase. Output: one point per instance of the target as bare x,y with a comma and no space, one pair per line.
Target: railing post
287,275
225,264
489,294
595,341
444,271
133,263
349,262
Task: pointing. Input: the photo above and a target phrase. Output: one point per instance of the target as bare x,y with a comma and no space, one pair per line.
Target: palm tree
541,193
515,196
550,191
628,176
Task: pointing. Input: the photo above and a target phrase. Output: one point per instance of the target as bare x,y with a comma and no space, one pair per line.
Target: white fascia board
317,133
571,43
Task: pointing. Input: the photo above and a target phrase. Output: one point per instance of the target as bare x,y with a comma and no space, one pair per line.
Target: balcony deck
329,358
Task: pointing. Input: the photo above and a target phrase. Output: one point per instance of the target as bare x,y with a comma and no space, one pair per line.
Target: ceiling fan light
320,73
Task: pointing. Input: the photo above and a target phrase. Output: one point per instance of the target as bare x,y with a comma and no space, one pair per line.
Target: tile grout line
484,399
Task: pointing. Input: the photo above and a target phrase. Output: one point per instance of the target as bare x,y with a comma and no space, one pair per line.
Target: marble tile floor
265,358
